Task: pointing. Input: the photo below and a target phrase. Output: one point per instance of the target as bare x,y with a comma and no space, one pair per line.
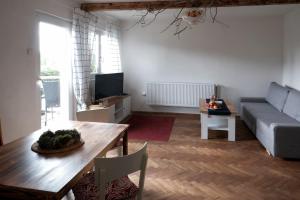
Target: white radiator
178,94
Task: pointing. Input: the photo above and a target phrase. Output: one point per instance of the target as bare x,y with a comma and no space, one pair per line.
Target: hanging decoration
194,16
183,20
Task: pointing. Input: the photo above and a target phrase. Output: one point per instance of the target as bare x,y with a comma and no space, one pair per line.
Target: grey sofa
275,120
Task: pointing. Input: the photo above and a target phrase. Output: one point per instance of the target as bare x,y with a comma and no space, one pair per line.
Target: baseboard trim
167,114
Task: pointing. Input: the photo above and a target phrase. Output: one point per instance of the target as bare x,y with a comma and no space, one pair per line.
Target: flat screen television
107,85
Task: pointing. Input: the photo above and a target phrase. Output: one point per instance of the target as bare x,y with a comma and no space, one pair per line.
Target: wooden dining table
25,174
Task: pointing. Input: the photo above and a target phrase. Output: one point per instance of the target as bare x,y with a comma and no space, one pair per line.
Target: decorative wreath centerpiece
58,141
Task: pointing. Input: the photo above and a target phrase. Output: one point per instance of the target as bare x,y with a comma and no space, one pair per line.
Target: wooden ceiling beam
156,5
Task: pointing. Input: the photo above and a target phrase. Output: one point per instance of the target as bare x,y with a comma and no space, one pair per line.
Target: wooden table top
204,108
25,171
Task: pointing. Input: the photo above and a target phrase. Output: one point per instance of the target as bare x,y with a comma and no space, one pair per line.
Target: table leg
231,128
204,126
125,143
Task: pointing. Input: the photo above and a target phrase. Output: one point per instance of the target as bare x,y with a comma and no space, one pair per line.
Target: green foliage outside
49,72
47,69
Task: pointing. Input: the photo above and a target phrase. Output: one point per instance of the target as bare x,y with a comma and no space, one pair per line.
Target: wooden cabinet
114,110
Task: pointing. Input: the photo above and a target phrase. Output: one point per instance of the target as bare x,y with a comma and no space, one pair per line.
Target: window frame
99,68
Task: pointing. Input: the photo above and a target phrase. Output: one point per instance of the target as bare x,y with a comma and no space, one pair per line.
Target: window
110,55
95,67
106,54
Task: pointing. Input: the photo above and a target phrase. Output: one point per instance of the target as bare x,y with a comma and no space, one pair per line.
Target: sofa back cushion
277,95
292,105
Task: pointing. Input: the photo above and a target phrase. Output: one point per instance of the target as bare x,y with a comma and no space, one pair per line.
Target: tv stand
113,109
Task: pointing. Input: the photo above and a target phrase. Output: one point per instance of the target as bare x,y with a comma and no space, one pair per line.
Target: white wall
291,67
242,59
19,97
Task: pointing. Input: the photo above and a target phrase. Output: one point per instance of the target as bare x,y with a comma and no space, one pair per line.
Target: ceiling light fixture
194,16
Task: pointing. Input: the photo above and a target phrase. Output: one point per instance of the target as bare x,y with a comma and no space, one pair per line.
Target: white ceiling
225,12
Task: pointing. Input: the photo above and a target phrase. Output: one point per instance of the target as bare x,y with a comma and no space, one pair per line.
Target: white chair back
109,169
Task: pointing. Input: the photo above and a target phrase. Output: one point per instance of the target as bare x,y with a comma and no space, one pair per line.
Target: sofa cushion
259,107
292,105
249,111
277,95
265,113
280,118
120,189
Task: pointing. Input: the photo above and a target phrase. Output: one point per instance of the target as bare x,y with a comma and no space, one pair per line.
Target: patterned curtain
83,35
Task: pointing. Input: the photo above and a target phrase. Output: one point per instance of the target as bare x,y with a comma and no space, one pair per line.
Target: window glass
110,55
95,55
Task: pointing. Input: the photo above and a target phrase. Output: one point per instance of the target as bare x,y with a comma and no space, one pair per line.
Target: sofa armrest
286,140
253,99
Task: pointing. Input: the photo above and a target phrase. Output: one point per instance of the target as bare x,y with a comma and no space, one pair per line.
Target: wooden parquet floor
188,168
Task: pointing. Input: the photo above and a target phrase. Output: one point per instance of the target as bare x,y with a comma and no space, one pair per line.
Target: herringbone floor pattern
187,168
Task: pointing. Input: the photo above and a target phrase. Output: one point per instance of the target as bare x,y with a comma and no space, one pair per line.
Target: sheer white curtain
83,35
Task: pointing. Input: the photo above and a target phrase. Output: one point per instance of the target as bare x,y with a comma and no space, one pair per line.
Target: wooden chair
1,139
110,179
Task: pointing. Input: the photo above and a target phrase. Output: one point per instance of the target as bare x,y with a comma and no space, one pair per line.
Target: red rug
154,128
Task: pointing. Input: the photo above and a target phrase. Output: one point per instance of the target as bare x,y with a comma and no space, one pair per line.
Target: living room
236,51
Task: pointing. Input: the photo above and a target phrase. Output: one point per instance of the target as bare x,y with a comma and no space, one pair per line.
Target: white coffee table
206,120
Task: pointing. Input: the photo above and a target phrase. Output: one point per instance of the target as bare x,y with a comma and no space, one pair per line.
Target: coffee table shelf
206,121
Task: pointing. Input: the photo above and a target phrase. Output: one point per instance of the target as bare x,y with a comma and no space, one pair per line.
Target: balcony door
55,69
